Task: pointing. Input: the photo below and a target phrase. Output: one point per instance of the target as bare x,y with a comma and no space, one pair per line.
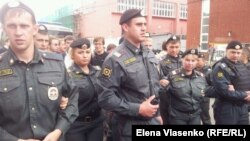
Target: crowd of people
59,89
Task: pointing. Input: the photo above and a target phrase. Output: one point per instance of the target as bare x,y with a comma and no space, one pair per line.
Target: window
205,25
164,9
123,5
183,11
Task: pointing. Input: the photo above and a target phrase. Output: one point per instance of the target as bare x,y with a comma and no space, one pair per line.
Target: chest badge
53,93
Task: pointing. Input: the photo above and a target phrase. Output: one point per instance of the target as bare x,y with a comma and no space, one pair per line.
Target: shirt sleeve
221,81
70,113
110,82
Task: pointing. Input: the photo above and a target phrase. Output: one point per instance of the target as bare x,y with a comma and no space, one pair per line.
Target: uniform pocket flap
9,85
50,79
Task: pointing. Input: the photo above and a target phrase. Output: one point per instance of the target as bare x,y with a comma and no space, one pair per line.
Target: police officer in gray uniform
89,124
186,91
231,105
130,80
32,83
171,62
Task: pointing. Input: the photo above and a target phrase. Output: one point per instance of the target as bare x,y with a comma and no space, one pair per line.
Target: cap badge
193,51
53,93
237,47
13,4
142,13
174,37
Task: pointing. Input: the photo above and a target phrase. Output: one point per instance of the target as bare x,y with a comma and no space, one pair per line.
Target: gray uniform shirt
125,80
30,95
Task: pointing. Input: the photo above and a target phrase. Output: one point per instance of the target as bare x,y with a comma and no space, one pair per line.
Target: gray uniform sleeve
109,97
67,116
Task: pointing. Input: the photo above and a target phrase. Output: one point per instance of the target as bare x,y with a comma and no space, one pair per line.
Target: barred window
183,11
164,9
123,5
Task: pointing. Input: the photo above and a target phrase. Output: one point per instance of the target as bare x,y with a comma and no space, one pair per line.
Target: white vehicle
57,29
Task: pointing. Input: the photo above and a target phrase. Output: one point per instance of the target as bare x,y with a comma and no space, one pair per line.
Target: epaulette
117,54
1,55
226,68
174,72
97,68
52,56
199,73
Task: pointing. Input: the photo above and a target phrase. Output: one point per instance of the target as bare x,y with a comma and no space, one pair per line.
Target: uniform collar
132,48
77,70
183,73
13,58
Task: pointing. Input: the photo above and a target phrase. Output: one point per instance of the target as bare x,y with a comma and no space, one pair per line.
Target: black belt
90,116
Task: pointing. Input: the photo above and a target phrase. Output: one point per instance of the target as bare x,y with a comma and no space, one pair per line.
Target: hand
53,136
231,88
247,98
64,102
147,109
164,82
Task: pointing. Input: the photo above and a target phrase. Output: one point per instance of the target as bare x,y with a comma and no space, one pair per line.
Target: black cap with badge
234,45
80,43
130,14
15,4
42,29
190,51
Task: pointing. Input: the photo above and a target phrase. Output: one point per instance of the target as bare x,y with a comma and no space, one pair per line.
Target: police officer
130,79
42,38
231,105
89,125
171,62
206,70
186,90
31,83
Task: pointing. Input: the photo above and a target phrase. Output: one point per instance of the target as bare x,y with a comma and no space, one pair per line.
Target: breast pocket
50,85
12,94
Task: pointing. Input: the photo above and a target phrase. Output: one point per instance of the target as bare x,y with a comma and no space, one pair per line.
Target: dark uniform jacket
227,73
88,91
170,63
126,83
186,93
29,101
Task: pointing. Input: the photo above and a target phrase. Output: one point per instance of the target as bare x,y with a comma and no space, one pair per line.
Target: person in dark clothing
171,62
130,80
231,106
89,125
186,90
206,70
32,83
99,54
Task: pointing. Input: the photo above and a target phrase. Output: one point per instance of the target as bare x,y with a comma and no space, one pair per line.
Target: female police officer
89,125
186,90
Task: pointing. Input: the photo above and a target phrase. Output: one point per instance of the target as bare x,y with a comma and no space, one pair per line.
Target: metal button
34,126
30,88
33,109
27,69
5,89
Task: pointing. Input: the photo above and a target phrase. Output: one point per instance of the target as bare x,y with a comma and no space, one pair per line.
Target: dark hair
111,46
96,39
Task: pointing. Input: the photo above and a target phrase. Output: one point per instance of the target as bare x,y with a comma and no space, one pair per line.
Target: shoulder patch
52,56
220,74
130,60
167,62
4,72
106,72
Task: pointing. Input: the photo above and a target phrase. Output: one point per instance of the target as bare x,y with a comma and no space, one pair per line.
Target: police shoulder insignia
130,60
220,74
4,72
106,72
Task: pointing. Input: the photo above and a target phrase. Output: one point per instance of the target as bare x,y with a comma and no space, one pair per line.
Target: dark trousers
83,131
226,113
205,116
195,120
